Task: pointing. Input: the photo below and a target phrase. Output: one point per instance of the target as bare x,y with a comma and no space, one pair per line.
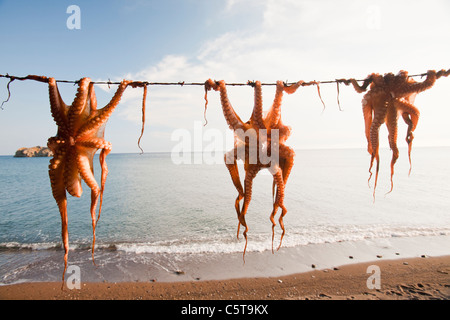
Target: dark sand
420,278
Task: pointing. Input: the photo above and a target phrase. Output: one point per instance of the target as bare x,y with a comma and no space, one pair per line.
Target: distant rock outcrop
37,151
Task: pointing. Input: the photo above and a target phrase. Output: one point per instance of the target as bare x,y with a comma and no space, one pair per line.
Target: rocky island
37,151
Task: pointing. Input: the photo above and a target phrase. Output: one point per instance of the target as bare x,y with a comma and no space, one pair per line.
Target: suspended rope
183,83
144,84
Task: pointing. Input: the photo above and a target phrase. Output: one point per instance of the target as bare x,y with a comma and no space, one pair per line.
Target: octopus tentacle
78,106
286,163
94,143
94,200
274,114
235,123
90,108
409,132
366,83
409,136
105,151
286,160
72,178
107,110
367,113
320,95
56,145
56,175
284,132
391,123
92,98
256,118
86,151
250,174
378,120
279,202
102,115
234,173
144,98
86,170
56,170
62,205
232,119
293,87
105,147
405,107
209,84
410,115
286,154
58,108
337,95
414,87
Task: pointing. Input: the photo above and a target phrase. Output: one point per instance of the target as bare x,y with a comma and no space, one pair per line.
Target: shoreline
400,279
121,266
408,268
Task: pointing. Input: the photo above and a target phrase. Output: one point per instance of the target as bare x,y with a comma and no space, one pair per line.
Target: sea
166,220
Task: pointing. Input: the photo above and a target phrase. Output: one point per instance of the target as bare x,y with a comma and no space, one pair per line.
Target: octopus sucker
261,127
80,134
390,96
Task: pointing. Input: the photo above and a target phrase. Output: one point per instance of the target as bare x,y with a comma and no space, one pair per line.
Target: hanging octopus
251,138
80,134
390,96
136,84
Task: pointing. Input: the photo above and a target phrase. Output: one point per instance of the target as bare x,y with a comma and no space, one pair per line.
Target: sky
232,40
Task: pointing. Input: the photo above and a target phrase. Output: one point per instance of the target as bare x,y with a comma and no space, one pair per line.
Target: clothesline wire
144,84
183,83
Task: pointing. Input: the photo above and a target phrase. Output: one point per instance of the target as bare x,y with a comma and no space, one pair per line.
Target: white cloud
298,40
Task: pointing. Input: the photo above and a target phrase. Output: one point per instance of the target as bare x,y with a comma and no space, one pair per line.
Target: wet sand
419,278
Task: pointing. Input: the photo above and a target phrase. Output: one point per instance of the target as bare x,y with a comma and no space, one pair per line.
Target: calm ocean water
153,207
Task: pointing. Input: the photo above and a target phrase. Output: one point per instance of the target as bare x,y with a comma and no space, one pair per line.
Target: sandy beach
421,278
414,268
